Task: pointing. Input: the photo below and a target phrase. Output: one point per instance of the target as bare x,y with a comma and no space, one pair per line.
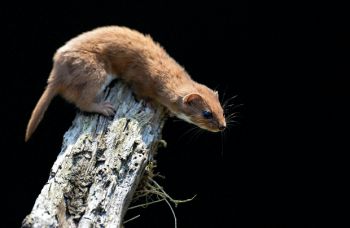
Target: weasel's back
111,39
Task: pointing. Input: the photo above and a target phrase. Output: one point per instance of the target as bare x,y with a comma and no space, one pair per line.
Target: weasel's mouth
214,130
208,128
213,127
222,127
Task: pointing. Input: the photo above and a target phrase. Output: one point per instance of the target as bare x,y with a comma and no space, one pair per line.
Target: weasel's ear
191,98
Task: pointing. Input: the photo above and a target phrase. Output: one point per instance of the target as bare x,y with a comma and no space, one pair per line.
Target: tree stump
100,165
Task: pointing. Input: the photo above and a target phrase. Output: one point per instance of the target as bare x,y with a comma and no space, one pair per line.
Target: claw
107,109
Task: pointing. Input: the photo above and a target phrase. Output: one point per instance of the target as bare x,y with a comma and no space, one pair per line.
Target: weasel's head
203,109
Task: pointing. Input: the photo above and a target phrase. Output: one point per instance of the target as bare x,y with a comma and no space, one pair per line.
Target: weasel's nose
222,127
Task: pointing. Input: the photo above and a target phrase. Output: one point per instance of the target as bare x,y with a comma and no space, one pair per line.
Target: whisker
198,131
223,97
231,121
188,132
222,100
232,125
232,115
190,137
233,106
232,118
228,100
222,144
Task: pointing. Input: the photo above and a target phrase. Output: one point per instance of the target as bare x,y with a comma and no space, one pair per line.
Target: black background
282,163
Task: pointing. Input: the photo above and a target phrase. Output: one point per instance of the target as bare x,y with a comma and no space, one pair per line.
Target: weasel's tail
40,110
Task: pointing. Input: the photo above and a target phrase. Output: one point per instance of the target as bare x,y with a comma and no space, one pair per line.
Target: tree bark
100,164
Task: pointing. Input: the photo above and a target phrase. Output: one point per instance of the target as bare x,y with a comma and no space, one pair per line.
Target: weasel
88,62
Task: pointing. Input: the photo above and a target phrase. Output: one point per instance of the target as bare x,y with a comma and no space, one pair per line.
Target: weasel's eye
207,114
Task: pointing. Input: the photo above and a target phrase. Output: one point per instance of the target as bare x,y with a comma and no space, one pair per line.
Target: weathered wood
99,166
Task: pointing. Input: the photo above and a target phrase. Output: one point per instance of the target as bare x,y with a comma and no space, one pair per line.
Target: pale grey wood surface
99,166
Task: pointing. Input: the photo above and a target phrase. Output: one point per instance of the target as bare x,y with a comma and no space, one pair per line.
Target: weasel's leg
90,99
84,80
104,108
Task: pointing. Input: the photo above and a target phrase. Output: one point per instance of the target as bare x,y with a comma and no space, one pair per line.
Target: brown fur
82,66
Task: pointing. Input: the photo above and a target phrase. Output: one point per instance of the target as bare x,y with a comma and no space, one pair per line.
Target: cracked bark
100,164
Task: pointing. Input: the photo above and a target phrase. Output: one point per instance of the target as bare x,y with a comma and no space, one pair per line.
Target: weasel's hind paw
107,109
